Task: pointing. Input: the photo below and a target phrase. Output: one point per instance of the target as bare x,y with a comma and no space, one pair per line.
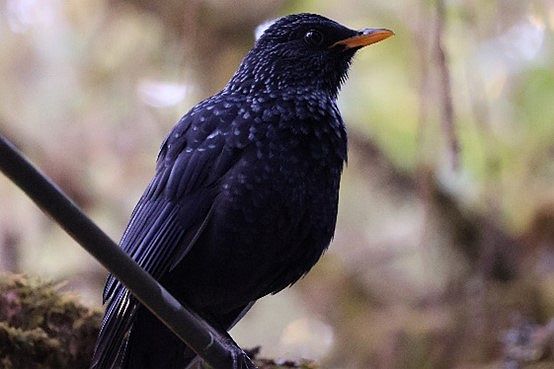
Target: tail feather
111,345
133,338
153,346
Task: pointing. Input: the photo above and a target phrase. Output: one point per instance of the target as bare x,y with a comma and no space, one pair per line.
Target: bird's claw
241,360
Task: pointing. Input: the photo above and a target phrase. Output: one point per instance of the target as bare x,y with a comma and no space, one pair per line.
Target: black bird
244,198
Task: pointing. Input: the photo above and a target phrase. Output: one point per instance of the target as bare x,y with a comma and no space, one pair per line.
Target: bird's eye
313,37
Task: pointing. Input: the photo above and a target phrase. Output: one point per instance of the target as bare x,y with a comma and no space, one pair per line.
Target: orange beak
365,37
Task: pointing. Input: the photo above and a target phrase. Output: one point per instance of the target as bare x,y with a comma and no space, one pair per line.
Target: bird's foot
241,359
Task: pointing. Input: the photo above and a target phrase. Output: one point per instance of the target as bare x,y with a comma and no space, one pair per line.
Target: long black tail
112,340
153,346
132,338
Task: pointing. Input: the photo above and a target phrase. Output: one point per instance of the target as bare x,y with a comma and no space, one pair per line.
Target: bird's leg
239,357
238,360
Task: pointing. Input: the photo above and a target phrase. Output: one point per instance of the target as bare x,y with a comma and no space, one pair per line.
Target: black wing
171,214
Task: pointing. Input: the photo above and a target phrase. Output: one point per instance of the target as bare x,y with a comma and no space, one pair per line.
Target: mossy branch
41,328
44,328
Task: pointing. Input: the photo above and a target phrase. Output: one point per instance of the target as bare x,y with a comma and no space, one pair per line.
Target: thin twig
210,345
445,88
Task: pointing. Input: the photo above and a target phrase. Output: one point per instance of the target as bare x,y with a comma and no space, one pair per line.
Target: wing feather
166,222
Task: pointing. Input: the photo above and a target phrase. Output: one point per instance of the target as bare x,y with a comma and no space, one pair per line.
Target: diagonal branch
445,88
209,344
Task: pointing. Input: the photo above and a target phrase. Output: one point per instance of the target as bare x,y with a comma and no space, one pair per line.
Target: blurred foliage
432,263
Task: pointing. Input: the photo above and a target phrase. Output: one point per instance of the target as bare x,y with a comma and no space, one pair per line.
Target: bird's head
303,50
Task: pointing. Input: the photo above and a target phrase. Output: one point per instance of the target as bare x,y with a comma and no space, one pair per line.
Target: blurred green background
444,251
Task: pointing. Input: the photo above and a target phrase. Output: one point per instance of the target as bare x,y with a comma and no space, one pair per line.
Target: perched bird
244,198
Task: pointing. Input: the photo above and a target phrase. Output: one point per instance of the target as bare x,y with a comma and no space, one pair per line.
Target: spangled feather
165,223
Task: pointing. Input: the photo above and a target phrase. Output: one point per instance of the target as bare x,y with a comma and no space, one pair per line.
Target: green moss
41,328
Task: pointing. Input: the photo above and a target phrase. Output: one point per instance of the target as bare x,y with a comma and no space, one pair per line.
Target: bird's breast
280,182
276,207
